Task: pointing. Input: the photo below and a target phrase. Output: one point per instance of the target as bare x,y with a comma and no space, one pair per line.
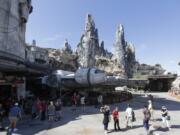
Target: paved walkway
90,122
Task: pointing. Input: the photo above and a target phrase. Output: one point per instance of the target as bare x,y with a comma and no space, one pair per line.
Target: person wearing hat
165,116
14,114
106,111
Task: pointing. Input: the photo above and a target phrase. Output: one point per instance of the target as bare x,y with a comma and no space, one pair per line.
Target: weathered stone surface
88,48
67,48
64,58
92,54
124,54
144,70
119,51
130,59
12,27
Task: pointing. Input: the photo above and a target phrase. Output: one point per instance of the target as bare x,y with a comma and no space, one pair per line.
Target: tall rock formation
89,49
13,17
119,50
89,44
67,48
124,54
130,59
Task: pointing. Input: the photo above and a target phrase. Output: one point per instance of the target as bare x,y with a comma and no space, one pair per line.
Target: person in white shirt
100,100
83,103
165,116
150,108
129,116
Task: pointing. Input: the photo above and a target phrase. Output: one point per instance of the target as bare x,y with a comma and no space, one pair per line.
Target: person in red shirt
115,115
39,108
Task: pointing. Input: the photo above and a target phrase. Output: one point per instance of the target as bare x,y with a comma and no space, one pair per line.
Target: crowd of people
52,111
147,112
39,109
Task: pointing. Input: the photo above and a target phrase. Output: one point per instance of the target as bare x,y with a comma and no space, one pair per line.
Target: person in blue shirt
14,114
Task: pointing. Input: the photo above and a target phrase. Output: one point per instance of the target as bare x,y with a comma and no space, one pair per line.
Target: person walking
147,116
74,101
165,116
115,115
100,100
51,111
150,108
1,117
43,110
58,109
38,108
83,103
129,116
14,114
106,111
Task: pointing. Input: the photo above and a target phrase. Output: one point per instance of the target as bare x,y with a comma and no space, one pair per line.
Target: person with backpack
130,116
146,118
165,116
14,114
115,115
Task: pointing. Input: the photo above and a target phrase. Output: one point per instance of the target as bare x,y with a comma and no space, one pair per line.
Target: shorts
13,119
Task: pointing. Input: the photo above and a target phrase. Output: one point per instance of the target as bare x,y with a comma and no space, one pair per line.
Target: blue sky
153,26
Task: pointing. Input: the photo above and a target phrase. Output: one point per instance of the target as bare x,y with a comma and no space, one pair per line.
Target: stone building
35,54
13,18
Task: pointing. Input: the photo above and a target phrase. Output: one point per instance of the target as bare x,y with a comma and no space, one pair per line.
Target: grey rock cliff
89,48
119,50
89,44
130,59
